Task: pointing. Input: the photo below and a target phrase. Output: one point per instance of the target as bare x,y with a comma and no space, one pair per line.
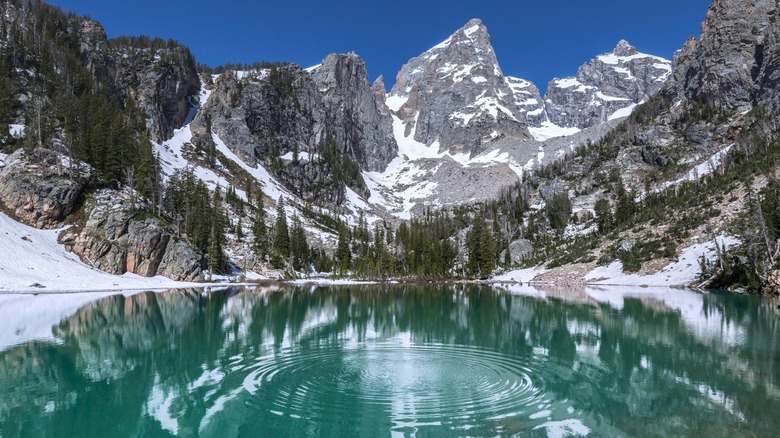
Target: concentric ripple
413,386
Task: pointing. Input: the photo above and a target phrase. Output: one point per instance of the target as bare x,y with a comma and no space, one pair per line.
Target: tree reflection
177,363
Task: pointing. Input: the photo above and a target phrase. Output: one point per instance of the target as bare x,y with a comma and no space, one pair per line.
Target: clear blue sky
534,40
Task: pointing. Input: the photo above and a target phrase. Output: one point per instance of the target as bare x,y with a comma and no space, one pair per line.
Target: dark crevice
759,58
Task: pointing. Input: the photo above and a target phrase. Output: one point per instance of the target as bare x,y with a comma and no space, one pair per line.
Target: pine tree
625,208
343,252
603,215
299,246
481,247
259,230
281,238
216,254
239,231
558,211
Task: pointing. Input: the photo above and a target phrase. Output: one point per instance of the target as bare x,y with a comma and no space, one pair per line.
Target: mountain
455,95
696,163
466,131
610,86
314,129
633,164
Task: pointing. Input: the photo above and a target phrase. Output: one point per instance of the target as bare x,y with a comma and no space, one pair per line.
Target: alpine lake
390,360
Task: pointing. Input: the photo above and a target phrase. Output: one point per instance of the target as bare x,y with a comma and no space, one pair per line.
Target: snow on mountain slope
682,272
33,260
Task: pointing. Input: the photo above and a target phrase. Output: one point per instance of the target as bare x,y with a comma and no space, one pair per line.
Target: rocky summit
609,87
455,95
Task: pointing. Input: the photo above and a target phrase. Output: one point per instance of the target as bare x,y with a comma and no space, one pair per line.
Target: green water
391,360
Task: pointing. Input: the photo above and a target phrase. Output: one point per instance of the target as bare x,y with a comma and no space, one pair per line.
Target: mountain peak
473,26
473,34
623,48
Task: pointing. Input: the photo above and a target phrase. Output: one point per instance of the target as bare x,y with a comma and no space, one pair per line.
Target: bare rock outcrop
116,240
34,191
357,116
301,124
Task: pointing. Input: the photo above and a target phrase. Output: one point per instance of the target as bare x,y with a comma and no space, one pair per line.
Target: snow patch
623,112
682,272
302,156
572,82
395,102
16,131
550,130
33,257
471,30
526,275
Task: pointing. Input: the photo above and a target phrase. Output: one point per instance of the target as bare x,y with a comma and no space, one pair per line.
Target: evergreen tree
558,210
239,231
259,230
281,237
603,215
343,252
211,147
625,208
481,247
299,246
216,253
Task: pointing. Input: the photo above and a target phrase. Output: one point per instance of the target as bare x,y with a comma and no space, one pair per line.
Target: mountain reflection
186,363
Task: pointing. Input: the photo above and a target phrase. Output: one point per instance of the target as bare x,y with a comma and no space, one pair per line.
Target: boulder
519,251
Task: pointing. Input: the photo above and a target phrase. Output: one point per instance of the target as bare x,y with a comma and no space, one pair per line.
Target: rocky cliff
159,77
116,239
357,115
40,192
307,127
733,63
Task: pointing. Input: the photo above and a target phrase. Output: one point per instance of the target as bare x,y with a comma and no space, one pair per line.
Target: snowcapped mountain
455,95
609,87
465,130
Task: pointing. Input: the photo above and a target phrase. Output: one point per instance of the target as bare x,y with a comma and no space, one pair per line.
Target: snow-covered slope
33,260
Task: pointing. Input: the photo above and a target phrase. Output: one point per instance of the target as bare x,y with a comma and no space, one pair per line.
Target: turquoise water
390,360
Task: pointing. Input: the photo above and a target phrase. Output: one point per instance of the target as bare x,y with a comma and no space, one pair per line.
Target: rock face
299,122
115,241
455,94
357,116
529,100
160,77
607,87
736,57
162,81
35,192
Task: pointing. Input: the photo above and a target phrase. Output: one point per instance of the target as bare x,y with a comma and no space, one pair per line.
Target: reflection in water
382,360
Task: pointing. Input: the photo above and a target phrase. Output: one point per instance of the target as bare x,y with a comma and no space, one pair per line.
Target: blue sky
534,40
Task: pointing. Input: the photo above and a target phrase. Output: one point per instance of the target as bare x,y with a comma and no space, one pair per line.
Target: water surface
389,360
